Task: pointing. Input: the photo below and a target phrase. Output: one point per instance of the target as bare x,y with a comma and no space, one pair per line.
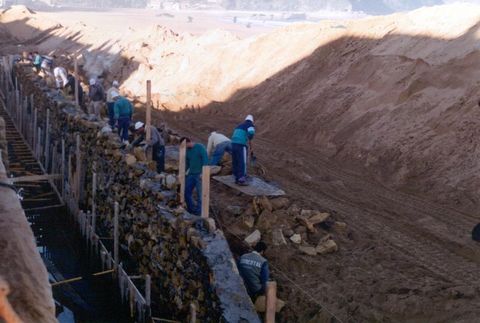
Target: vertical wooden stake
47,141
115,234
39,143
148,117
271,302
34,140
63,168
77,100
205,191
193,313
148,290
78,169
181,170
94,203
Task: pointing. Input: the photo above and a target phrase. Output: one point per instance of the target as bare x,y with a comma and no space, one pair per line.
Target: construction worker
253,268
60,75
217,145
195,160
37,61
96,95
111,103
122,111
47,64
241,143
156,142
70,87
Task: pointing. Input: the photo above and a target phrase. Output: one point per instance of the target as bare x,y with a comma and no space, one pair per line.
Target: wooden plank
34,178
271,302
181,170
94,202
205,191
256,187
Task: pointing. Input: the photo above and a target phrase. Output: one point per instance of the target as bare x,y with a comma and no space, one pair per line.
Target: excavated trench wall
21,265
188,259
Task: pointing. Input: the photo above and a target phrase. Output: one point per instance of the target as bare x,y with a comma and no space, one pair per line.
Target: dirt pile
393,100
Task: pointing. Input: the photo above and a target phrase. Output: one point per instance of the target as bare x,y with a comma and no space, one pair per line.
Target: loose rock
253,238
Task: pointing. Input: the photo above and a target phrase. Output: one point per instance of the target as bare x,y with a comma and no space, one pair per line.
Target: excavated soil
374,120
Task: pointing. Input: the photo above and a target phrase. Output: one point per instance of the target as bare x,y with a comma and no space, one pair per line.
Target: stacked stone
189,262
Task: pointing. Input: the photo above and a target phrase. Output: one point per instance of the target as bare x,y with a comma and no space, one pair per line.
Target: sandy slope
349,114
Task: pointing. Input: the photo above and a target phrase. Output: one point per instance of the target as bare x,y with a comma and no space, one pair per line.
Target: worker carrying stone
196,158
61,77
156,142
241,144
111,103
96,94
123,111
253,268
217,145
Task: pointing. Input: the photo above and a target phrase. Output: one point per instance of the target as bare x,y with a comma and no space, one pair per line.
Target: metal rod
94,203
47,141
115,234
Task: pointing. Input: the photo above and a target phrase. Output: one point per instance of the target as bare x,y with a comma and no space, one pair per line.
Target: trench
59,243
165,262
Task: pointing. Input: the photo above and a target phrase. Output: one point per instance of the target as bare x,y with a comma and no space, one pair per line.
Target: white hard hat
115,94
249,118
115,83
139,125
93,81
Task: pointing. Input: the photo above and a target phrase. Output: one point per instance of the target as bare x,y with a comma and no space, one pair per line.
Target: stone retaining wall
188,259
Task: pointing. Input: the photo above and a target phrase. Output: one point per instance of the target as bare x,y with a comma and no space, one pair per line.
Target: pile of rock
279,222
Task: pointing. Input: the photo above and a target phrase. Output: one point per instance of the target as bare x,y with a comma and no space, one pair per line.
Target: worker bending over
61,77
217,145
195,160
253,268
241,143
156,142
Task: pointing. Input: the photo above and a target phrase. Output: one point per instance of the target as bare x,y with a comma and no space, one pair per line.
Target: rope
302,290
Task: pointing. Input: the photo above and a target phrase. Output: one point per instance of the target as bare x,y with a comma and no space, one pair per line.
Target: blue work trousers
217,154
193,182
123,124
111,114
239,161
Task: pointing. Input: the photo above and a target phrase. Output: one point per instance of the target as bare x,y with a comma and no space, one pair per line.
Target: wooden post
34,130
77,100
148,290
115,234
39,143
271,302
148,117
205,191
193,313
63,168
181,170
47,141
94,203
78,169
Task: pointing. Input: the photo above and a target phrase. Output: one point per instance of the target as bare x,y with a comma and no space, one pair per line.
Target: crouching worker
156,142
253,268
196,158
218,144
